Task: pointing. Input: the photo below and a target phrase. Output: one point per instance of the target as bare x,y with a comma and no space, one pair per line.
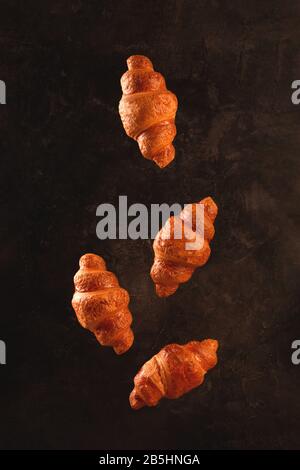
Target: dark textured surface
64,151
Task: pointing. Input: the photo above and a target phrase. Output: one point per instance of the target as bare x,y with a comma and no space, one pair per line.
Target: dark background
63,151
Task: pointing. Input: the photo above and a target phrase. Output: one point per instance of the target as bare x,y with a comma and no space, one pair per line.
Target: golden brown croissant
174,371
173,262
148,110
101,305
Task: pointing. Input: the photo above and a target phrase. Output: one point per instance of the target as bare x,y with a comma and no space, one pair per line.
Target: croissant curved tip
92,261
119,350
165,156
135,401
213,344
139,62
124,345
211,207
165,291
209,344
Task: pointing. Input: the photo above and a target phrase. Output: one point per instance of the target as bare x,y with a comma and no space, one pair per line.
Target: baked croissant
174,371
173,262
101,305
148,110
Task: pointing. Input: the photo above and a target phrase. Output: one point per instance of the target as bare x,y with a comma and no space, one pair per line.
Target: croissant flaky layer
101,305
148,110
175,259
174,371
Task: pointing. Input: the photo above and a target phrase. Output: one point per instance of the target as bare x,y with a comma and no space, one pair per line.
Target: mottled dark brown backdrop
64,151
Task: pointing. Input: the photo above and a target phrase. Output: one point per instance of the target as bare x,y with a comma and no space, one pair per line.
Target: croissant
174,371
148,110
173,262
101,305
